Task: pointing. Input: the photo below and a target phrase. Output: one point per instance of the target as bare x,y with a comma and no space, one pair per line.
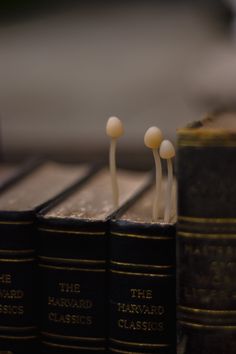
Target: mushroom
167,152
152,139
114,130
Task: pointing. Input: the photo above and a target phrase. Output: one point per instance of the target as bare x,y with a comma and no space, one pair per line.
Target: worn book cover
11,172
206,242
73,256
18,243
142,279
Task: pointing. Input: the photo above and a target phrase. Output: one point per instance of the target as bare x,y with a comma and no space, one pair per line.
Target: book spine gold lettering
142,294
18,288
74,295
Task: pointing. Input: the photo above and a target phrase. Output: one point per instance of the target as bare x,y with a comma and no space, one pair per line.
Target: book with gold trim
18,244
73,256
207,235
142,280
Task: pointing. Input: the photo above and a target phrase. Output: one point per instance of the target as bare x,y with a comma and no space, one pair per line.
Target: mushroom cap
114,127
167,150
153,137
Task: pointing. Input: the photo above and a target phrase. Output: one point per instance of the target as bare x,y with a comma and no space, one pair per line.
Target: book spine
73,280
206,247
18,287
142,288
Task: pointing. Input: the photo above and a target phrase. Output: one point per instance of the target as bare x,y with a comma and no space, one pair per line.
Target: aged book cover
142,280
11,172
18,266
206,241
73,257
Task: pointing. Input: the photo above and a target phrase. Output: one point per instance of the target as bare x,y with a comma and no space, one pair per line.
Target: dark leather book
18,267
73,263
207,235
142,281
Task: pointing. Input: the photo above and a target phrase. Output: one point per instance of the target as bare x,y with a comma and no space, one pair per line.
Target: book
6,172
18,267
11,172
73,255
206,239
142,280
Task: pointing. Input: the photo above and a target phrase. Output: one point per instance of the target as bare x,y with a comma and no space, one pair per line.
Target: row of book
77,276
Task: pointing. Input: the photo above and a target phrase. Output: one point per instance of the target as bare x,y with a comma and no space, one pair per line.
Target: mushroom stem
114,183
155,209
167,213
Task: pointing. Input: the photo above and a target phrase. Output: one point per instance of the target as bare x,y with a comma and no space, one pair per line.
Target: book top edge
38,187
140,212
215,126
93,201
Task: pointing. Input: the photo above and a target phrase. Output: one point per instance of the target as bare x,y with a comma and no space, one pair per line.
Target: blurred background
66,66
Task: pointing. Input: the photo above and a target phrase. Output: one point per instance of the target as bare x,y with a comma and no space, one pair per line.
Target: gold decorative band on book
13,260
167,238
72,346
206,143
206,236
193,137
18,328
138,265
98,233
17,337
113,350
207,220
206,326
27,251
61,336
72,260
206,311
72,268
138,344
141,274
23,222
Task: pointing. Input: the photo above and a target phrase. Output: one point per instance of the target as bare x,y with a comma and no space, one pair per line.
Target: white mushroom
114,130
152,139
167,152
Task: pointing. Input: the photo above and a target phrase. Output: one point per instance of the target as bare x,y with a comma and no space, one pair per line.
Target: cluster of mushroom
153,139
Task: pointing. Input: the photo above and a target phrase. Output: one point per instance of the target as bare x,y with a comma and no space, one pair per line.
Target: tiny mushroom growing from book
114,130
152,139
167,152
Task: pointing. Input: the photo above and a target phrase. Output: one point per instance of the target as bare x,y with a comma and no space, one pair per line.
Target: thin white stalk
112,161
156,204
168,191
